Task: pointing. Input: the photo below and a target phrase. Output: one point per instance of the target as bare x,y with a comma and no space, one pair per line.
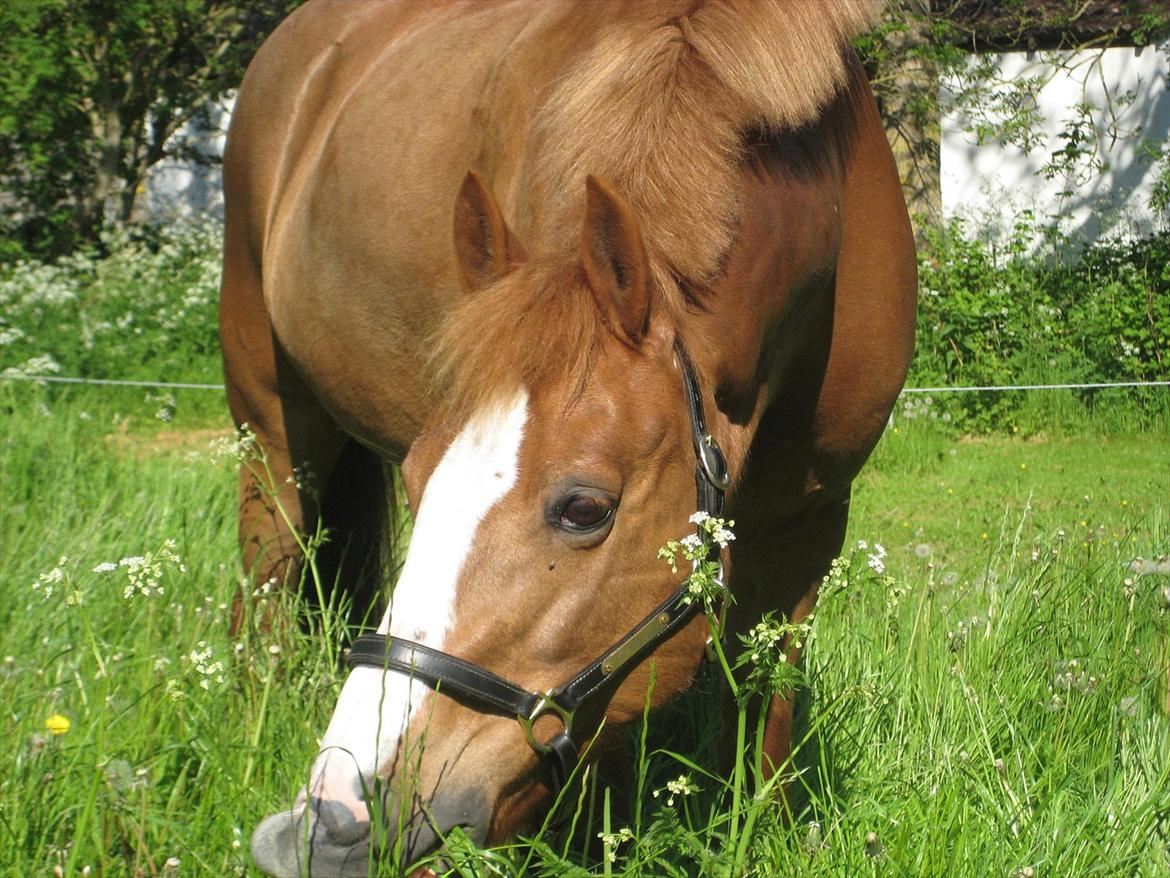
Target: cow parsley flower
239,449
680,787
33,367
766,648
47,583
705,580
611,841
144,573
203,661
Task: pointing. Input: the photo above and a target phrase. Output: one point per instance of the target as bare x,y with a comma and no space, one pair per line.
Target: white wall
189,189
989,185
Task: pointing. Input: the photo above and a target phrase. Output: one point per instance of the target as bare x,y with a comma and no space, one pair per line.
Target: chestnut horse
629,182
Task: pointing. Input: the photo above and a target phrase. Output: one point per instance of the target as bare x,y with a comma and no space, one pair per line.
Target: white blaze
376,706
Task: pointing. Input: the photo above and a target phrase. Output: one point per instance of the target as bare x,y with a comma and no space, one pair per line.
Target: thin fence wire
974,388
1005,387
113,382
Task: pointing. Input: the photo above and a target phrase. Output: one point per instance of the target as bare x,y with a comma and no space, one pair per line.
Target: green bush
1012,314
147,311
988,315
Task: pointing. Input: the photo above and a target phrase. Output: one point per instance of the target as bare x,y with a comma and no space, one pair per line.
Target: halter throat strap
490,693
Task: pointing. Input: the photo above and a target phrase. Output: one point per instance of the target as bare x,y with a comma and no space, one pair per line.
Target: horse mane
659,105
538,324
662,104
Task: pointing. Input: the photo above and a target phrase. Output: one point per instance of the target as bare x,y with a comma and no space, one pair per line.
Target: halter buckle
546,704
713,462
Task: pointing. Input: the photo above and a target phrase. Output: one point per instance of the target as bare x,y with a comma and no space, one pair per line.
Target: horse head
560,457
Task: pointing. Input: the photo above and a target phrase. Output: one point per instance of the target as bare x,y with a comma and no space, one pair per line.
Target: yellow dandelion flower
58,724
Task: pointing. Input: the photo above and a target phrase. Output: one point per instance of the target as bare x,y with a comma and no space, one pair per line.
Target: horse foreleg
278,504
280,494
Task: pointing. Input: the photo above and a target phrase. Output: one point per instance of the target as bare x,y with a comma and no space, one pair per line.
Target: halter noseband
489,692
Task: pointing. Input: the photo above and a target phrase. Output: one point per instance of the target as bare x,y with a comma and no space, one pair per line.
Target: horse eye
585,512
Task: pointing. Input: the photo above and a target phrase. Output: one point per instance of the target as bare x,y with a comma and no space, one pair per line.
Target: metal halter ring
714,463
547,704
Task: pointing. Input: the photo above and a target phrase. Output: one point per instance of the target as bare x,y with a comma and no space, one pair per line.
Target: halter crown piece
491,693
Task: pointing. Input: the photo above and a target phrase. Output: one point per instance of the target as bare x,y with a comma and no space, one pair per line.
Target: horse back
338,205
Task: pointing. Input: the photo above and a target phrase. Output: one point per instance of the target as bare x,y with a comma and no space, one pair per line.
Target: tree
92,93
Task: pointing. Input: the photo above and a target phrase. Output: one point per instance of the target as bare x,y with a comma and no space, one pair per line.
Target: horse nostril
340,823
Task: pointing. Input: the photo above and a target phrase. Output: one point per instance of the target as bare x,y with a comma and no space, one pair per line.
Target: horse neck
768,314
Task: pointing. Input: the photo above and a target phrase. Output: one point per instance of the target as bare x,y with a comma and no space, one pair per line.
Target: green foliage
999,315
146,311
987,315
91,93
1157,153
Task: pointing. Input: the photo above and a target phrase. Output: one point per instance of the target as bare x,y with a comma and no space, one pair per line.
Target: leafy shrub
988,315
1008,315
147,311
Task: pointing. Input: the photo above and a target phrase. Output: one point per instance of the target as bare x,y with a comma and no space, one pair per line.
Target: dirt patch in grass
165,443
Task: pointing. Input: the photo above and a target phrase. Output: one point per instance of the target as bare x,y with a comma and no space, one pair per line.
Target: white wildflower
166,405
33,367
239,449
204,662
611,840
145,572
682,786
47,582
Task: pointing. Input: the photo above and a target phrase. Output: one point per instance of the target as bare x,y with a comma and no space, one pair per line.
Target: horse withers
672,220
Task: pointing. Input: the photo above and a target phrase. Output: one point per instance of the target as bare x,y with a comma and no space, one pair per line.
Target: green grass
1000,707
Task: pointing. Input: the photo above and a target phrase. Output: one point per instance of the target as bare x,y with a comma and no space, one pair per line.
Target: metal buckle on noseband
493,693
545,705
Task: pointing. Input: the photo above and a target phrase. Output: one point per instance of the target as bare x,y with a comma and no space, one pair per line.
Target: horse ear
485,250
614,257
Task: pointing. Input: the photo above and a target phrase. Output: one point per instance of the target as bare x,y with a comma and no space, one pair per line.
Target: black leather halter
491,693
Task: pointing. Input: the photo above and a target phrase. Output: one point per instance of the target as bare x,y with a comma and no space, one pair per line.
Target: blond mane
538,325
659,105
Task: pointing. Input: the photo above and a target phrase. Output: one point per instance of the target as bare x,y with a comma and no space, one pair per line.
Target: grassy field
997,706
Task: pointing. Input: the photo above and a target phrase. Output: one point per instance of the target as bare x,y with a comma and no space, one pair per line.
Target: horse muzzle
323,839
300,842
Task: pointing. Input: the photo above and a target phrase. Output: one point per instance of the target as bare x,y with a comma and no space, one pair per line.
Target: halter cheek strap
489,693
